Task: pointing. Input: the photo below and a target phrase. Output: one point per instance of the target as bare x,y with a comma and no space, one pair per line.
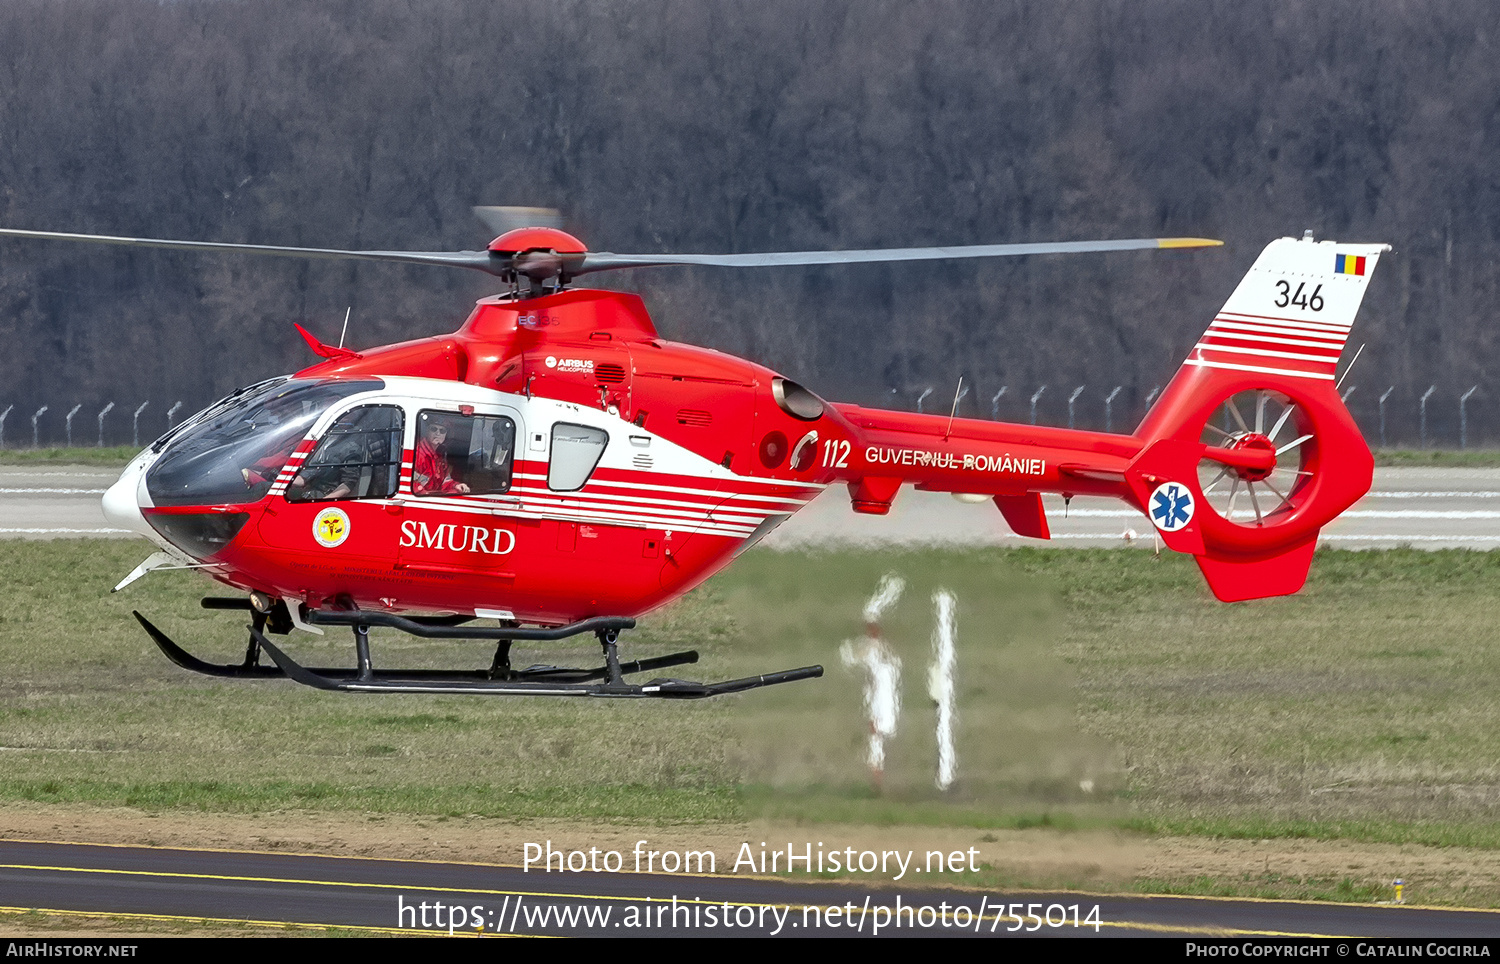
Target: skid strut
609,680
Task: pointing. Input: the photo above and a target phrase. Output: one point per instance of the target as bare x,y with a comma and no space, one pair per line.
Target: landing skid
499,680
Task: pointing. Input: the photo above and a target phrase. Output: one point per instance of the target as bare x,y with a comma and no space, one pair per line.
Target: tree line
679,125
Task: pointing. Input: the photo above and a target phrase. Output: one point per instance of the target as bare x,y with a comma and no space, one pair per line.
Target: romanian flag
1348,264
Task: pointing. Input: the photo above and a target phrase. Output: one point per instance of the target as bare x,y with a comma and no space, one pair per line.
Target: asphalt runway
250,889
55,502
1425,508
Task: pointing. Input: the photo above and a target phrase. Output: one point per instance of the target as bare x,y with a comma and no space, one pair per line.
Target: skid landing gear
499,680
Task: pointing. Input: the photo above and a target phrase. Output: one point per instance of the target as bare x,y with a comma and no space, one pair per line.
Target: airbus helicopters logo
331,527
570,364
1171,506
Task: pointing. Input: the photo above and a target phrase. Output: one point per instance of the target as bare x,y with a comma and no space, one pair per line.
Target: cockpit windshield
233,452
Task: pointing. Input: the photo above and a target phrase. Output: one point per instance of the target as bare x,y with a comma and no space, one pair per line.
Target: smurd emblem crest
1171,506
331,527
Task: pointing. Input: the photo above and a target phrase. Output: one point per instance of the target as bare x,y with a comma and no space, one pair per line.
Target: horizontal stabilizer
1235,580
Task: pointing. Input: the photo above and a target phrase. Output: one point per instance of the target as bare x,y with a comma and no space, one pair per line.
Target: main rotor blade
605,261
453,259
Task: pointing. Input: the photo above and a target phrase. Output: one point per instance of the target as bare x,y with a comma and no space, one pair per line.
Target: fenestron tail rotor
1258,497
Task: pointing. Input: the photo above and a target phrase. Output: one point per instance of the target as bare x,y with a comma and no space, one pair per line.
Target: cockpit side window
576,451
232,452
358,458
460,454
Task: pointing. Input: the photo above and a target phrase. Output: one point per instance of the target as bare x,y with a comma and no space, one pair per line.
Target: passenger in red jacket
430,473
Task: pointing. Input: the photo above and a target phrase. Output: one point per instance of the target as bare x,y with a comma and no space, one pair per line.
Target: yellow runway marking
179,875
957,888
280,925
1199,930
1187,929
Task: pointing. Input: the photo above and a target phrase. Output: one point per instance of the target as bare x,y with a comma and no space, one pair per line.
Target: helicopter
556,468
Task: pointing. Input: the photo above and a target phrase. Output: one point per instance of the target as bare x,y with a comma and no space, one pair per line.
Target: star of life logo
1171,506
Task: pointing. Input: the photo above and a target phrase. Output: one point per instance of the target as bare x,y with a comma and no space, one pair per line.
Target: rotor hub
546,257
537,239
1257,443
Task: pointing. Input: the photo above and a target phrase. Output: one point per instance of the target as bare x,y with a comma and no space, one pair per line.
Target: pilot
430,473
347,462
263,471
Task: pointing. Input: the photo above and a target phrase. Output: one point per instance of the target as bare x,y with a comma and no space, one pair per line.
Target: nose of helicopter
122,501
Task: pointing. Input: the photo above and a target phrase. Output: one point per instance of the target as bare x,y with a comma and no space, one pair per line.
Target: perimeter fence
1438,416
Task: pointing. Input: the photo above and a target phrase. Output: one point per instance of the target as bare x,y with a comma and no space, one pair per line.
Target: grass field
1098,689
1439,458
112,455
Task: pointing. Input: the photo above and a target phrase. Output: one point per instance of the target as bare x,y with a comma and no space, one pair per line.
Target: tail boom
973,457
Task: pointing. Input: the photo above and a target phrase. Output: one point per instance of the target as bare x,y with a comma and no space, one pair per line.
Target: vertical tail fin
1251,451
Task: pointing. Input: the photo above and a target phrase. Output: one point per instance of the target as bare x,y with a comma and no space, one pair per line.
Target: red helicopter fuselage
555,460
702,454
